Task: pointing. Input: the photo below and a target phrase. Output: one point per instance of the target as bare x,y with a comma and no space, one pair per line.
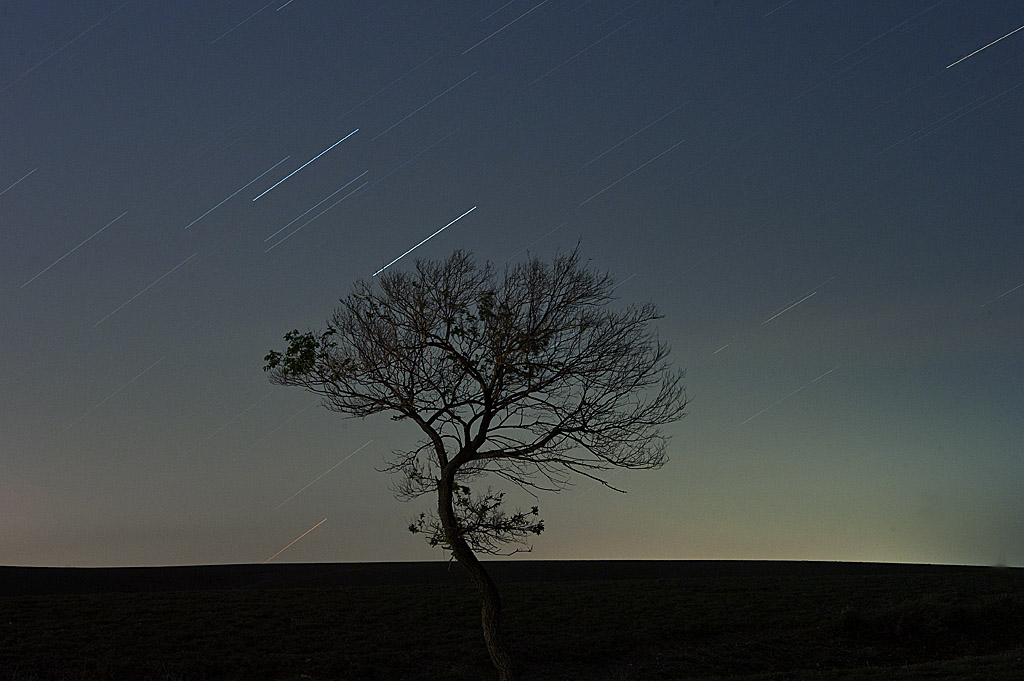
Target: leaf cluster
305,352
482,523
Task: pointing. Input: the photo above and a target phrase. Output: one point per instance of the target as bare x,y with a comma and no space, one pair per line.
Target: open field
621,620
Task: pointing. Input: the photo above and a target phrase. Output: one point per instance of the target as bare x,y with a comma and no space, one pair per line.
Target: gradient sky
827,210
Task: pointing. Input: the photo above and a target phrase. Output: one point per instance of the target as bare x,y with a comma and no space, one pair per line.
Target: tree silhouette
529,379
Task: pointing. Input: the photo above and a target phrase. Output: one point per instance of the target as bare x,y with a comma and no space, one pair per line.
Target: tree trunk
490,612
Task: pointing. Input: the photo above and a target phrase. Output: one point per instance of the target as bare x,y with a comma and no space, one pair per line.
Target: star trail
823,200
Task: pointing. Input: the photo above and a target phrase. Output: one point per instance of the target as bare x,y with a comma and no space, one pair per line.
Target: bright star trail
823,207
295,540
424,241
789,307
309,161
984,48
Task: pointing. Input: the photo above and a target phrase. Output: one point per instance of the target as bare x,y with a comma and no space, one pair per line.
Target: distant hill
16,581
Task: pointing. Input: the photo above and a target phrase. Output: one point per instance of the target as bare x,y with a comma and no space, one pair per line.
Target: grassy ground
954,625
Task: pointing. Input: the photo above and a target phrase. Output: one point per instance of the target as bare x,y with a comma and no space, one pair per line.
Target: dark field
620,620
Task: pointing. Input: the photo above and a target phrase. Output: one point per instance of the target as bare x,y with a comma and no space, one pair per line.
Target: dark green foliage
482,523
306,353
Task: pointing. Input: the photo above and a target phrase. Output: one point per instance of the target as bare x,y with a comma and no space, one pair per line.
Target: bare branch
531,379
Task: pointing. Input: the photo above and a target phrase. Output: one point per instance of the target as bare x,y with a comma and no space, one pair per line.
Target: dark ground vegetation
670,621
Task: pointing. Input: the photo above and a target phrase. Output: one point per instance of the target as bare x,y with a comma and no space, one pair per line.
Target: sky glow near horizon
824,199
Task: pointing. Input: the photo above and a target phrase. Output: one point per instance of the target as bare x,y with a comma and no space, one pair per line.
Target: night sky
825,203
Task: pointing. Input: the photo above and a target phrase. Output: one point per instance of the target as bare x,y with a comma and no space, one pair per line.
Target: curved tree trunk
490,613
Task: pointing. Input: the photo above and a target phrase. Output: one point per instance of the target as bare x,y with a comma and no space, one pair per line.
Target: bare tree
530,379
